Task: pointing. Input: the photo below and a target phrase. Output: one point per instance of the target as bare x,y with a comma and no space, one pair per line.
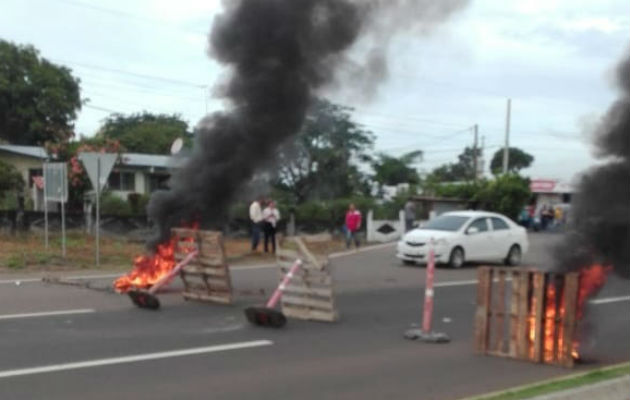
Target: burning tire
457,258
514,256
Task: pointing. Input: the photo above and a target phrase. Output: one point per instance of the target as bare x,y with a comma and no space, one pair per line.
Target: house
550,192
132,173
141,173
27,160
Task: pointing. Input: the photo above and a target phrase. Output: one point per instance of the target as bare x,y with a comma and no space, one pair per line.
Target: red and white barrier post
427,314
425,334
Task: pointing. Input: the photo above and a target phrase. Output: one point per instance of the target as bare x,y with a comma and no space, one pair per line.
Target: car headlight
441,242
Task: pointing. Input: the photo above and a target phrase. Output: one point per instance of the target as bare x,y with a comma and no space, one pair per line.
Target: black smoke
600,213
281,53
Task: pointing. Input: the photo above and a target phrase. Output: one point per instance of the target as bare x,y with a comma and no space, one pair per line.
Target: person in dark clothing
271,216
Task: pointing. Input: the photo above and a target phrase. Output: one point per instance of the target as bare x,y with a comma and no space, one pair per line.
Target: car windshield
446,223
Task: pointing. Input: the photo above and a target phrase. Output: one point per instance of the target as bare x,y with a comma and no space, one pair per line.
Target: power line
141,18
134,74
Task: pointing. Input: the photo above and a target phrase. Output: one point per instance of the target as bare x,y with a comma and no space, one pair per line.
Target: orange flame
549,324
150,268
592,279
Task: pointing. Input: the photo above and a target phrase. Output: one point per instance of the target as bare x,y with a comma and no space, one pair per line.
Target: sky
555,60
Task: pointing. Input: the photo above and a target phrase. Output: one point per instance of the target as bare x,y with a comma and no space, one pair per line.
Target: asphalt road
109,349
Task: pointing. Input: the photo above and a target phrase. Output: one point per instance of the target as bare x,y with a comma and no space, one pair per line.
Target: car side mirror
472,230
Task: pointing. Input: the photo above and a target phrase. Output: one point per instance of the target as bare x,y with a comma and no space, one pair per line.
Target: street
97,345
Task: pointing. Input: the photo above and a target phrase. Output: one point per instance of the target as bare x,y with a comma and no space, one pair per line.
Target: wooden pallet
533,318
207,277
310,295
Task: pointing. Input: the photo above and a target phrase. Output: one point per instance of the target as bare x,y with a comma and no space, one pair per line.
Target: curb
548,381
31,279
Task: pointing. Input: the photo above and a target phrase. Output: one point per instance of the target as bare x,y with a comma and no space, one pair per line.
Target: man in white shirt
256,216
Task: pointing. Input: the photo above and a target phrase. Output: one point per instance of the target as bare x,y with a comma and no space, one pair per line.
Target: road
104,348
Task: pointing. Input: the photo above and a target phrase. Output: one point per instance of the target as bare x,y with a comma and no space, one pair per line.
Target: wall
385,230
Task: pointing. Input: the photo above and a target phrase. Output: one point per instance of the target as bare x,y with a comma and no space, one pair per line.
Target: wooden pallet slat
484,276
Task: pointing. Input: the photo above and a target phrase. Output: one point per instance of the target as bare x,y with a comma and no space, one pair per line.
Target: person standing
353,224
271,216
410,215
256,217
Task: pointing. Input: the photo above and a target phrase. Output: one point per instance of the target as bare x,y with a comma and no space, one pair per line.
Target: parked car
462,236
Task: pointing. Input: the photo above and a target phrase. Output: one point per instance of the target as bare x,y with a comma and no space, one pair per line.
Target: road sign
90,162
98,167
56,182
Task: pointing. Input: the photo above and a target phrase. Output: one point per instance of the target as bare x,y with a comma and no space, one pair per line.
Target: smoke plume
600,228
281,53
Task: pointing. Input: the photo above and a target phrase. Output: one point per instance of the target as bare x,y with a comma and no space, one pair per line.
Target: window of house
33,172
123,181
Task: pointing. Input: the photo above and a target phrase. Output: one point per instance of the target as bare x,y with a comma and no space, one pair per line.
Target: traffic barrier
310,294
207,277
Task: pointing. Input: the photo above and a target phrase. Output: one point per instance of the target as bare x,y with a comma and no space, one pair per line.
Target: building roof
29,151
150,160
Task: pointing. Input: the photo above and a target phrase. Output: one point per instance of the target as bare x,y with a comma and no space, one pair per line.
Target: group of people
543,217
264,217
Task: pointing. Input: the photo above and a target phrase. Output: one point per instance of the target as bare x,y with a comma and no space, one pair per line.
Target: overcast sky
554,59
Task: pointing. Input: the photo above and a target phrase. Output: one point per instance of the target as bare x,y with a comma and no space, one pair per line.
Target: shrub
114,205
138,203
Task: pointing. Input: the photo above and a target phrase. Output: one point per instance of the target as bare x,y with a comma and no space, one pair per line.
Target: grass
554,385
27,252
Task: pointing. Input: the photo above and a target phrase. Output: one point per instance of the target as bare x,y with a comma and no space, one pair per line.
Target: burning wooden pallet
207,277
310,295
533,318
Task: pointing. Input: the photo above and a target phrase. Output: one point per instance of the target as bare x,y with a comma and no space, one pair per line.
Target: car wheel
514,256
456,260
408,262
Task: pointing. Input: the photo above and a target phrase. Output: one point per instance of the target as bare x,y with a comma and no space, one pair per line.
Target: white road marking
48,313
72,277
25,280
135,358
455,283
607,300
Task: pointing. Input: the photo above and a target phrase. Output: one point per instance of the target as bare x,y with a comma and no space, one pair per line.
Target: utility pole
482,163
475,158
506,149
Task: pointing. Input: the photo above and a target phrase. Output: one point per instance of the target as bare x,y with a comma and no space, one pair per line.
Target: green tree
145,132
506,194
322,161
462,170
518,159
394,170
38,99
10,179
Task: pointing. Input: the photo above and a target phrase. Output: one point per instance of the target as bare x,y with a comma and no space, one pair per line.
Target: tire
514,256
457,258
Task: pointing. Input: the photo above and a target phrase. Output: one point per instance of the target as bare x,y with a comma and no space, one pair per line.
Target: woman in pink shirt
353,224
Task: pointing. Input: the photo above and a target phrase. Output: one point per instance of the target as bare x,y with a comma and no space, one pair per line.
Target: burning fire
591,279
149,268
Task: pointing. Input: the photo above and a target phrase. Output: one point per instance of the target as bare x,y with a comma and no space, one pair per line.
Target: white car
462,236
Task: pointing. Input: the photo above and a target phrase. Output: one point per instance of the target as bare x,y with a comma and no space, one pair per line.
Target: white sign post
56,189
98,167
